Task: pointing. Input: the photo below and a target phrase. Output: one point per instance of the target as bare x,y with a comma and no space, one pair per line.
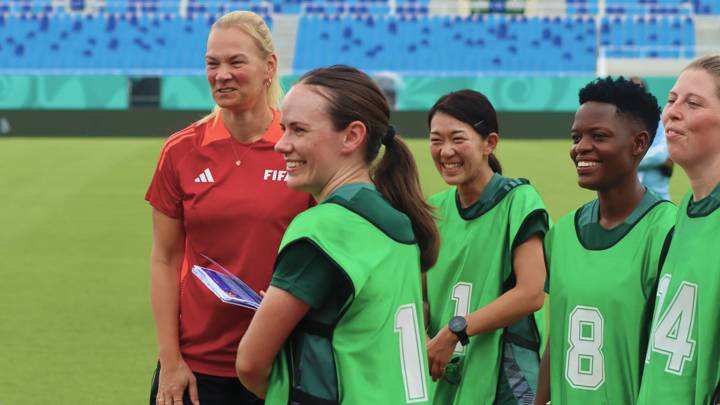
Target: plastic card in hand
227,287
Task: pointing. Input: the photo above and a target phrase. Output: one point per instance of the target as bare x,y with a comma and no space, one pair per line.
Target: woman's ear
491,142
354,137
641,143
272,65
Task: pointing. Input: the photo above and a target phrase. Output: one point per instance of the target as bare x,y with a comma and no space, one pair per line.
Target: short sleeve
535,223
306,272
547,253
164,192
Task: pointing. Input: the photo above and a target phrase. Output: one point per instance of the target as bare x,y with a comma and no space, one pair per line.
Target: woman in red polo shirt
218,191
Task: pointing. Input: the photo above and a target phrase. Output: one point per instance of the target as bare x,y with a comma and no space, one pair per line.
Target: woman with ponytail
489,276
342,320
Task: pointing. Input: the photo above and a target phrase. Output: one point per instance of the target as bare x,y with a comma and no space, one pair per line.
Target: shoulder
519,194
566,224
663,215
183,140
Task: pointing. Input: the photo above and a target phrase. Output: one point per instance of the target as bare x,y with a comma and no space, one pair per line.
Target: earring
269,82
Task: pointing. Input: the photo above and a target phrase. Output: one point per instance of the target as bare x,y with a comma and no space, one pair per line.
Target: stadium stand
163,37
418,44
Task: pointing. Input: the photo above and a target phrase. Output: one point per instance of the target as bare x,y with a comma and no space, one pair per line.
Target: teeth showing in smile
226,90
451,165
294,164
584,163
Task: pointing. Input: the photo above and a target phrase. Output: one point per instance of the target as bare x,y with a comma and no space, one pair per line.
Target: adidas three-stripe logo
205,177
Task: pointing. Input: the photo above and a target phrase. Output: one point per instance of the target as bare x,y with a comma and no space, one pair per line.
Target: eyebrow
453,132
293,123
690,94
233,56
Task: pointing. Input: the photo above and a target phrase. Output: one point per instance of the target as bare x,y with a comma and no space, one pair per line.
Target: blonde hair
711,65
253,25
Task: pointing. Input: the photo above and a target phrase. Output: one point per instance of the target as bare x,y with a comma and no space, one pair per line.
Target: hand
439,349
174,378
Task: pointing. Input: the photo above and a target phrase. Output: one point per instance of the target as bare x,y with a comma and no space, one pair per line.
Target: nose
223,73
671,112
447,150
283,145
584,144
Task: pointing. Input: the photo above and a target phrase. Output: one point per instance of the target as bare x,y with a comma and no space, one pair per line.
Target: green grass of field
75,318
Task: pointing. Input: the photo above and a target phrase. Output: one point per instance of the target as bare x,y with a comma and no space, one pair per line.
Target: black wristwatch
458,326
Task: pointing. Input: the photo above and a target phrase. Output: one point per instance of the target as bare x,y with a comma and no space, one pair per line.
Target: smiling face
459,152
692,119
310,143
236,69
606,146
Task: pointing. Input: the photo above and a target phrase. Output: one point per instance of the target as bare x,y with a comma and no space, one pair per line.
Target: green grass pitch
75,318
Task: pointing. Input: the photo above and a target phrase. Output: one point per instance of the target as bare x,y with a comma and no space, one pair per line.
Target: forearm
256,382
542,394
165,297
507,309
279,313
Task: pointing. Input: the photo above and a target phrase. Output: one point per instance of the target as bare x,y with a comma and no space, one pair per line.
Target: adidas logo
205,177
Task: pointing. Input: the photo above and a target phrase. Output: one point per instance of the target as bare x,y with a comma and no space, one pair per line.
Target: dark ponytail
474,109
494,164
352,96
396,177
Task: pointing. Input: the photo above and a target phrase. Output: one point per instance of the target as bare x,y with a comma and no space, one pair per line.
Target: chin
452,181
589,185
295,184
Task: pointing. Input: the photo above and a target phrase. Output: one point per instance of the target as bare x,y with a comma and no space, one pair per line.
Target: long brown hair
353,96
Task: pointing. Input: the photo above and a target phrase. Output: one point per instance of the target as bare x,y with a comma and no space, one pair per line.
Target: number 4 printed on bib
671,334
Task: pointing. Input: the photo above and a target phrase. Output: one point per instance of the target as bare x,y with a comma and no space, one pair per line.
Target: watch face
457,324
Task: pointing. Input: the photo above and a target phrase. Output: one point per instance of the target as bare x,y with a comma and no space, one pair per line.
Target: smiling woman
342,320
490,271
202,208
614,243
683,357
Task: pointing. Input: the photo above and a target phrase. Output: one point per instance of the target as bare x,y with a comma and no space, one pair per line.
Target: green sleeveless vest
683,354
378,343
473,269
600,306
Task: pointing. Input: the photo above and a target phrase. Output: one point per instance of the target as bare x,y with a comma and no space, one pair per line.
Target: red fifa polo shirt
233,214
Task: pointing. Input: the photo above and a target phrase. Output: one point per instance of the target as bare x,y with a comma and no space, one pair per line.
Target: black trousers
213,390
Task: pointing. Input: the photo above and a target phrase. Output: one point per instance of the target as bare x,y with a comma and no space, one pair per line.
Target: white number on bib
461,294
585,364
411,355
671,334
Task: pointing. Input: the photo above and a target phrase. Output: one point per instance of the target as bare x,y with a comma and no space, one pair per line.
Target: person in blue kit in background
656,167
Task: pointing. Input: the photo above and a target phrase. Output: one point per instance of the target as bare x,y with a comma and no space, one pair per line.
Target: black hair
474,109
631,100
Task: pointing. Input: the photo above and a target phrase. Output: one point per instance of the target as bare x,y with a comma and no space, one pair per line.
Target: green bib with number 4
683,356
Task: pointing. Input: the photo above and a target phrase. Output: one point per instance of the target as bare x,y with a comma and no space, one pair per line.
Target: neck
619,202
357,173
470,192
704,177
249,125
